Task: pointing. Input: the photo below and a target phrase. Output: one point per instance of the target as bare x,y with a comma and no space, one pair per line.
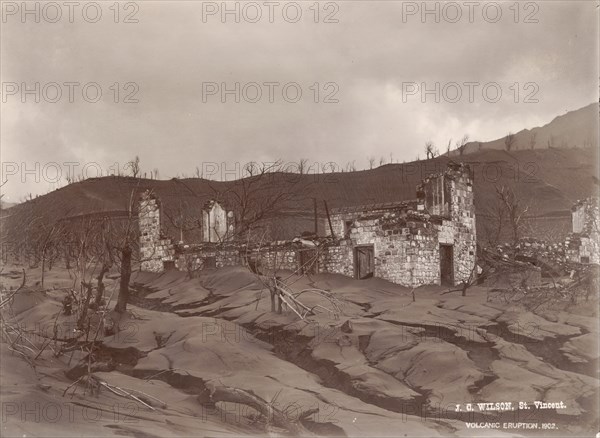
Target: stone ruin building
579,251
582,245
428,240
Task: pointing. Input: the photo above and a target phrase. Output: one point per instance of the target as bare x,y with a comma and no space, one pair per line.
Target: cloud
362,61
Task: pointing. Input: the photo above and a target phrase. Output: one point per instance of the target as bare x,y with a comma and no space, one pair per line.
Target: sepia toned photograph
310,218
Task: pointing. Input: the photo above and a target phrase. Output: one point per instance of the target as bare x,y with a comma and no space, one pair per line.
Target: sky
203,88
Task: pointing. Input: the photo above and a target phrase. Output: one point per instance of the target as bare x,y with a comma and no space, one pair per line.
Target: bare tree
473,278
509,141
515,208
106,242
460,145
302,166
261,196
123,298
183,218
51,240
429,147
43,236
532,140
494,226
100,279
371,162
123,241
134,166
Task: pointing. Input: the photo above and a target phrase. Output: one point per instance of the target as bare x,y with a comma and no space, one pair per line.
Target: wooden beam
316,219
329,219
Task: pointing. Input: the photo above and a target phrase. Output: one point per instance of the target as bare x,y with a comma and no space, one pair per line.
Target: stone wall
279,258
578,215
217,223
206,256
582,249
200,257
462,217
405,237
155,249
405,248
583,245
337,258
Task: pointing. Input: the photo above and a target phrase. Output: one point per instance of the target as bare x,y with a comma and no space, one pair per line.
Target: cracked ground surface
399,368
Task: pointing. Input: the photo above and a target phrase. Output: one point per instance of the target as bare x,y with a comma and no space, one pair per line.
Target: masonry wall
578,217
462,215
583,244
337,224
223,255
207,256
405,248
155,249
279,259
337,258
406,239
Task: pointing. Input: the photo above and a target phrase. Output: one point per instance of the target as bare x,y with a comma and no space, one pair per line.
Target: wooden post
279,303
316,219
273,290
329,219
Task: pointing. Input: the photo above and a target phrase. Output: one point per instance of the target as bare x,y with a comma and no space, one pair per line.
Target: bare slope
578,128
550,179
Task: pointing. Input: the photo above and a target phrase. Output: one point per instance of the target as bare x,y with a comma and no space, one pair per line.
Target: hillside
6,205
578,128
550,180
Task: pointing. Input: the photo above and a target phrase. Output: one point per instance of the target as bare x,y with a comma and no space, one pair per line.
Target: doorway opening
446,265
364,262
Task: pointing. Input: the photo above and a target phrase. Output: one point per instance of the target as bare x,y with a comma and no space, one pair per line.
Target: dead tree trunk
100,291
275,296
43,265
121,306
67,257
84,306
273,293
279,303
465,286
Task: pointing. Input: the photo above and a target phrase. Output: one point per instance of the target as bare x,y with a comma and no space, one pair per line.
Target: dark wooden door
308,261
364,262
447,265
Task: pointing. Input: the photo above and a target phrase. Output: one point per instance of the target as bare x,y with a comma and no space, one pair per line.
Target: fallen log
273,415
